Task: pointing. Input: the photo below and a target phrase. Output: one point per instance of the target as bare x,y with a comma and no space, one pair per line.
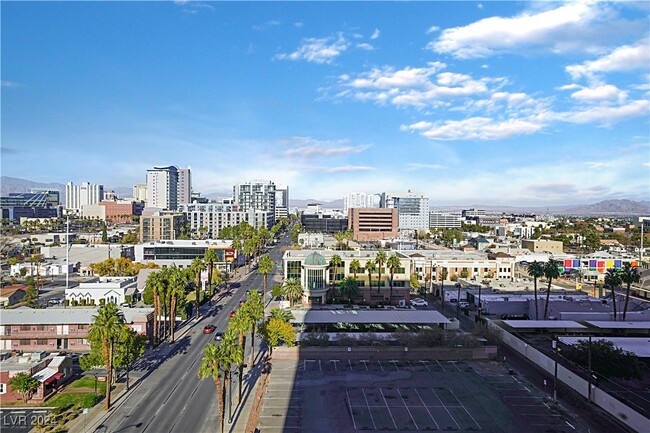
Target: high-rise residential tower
184,185
412,208
77,196
256,194
358,200
281,201
162,187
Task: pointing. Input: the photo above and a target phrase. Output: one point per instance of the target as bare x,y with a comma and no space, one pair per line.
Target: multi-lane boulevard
168,396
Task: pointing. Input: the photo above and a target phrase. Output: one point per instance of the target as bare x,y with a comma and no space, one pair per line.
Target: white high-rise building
358,200
184,185
162,187
256,194
412,208
77,196
281,201
140,192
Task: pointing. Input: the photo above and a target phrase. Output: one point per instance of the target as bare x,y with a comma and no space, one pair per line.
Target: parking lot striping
369,411
526,389
335,361
447,410
425,406
350,364
425,364
382,368
350,406
365,363
464,408
455,366
320,368
567,423
443,368
540,414
395,364
408,410
389,412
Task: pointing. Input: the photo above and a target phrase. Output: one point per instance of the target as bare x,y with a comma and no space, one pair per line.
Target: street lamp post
230,394
95,374
555,376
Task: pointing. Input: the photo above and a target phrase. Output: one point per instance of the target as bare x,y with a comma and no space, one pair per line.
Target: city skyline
500,102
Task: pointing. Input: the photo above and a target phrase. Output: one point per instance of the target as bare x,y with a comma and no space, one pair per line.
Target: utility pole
555,376
67,252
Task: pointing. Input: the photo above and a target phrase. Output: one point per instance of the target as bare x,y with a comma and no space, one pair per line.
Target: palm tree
292,289
629,275
381,260
278,313
348,235
254,308
153,283
350,288
339,236
196,268
551,271
106,328
177,285
370,267
613,280
265,266
355,267
240,324
211,366
393,264
210,259
233,354
536,270
335,262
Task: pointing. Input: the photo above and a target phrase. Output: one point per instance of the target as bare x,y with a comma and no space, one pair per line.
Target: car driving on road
209,329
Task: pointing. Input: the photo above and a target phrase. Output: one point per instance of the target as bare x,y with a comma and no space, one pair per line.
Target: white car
419,302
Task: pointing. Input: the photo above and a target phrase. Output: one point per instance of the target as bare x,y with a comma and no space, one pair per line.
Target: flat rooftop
638,345
369,316
62,315
608,324
549,324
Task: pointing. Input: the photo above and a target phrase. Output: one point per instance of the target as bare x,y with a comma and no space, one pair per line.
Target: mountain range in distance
605,207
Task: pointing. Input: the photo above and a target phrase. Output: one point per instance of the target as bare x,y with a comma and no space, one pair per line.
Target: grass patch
62,400
89,382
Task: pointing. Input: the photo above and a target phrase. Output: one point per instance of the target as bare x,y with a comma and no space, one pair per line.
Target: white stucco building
111,289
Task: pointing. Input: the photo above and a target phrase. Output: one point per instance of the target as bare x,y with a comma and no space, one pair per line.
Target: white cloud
560,29
600,93
607,115
365,46
624,58
387,77
317,150
475,128
432,29
412,166
266,25
375,34
298,24
341,169
323,50
6,83
193,7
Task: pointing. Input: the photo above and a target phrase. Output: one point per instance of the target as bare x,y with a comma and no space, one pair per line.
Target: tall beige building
372,224
163,226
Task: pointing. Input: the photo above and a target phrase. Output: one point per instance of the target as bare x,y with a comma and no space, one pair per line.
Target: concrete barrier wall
612,405
385,353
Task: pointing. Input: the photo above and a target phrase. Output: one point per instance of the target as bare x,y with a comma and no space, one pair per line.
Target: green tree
348,235
280,314
370,268
340,237
393,264
355,267
265,266
292,290
551,271
129,347
536,270
196,268
606,359
104,234
380,260
211,366
240,325
335,262
106,328
254,308
350,289
276,332
613,280
210,259
414,282
276,291
177,289
464,273
25,384
629,275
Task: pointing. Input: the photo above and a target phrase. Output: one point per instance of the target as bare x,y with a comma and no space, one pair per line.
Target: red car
232,314
209,329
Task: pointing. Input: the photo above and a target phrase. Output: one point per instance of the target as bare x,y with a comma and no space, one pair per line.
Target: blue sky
518,103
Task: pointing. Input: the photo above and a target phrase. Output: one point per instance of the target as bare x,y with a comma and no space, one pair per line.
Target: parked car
464,304
523,316
232,314
419,302
209,329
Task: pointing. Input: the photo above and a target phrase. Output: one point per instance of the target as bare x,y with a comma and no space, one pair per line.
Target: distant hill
14,184
610,207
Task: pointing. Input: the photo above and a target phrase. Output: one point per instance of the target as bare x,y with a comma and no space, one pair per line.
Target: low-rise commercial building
161,226
12,294
117,290
180,253
444,220
50,370
542,246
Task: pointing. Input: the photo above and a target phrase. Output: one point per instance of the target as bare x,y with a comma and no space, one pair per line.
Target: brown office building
372,224
161,227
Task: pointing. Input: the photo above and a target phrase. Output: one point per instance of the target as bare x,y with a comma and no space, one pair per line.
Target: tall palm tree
370,267
177,286
254,308
152,285
211,366
355,267
393,264
106,327
292,289
335,262
629,275
196,268
278,313
210,258
265,266
536,270
240,324
340,237
613,280
350,288
348,235
551,270
380,259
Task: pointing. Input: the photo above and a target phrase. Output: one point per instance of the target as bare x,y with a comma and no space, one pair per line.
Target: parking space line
394,364
445,407
387,407
425,406
425,364
465,409
320,368
351,411
365,363
369,411
350,364
381,366
335,364
408,410
443,368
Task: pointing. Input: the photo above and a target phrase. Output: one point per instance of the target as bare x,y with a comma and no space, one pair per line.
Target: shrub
127,298
66,302
74,303
315,339
82,302
102,302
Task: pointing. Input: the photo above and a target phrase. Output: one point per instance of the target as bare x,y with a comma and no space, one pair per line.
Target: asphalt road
170,397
